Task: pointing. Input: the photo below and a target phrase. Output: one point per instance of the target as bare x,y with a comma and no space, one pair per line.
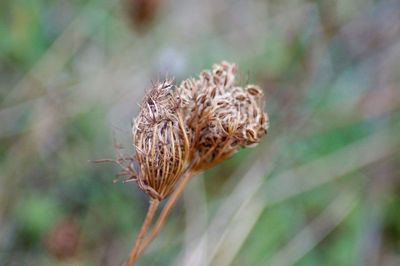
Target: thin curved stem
166,210
146,223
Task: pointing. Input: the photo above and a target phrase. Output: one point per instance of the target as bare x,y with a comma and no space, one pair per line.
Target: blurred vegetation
321,189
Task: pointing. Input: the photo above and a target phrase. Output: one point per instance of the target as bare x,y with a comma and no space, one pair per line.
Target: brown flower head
185,130
221,117
160,140
193,127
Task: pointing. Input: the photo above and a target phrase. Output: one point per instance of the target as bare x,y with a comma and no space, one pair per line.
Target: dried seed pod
254,90
160,140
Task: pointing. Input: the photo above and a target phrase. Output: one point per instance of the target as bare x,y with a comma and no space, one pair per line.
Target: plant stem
146,223
166,210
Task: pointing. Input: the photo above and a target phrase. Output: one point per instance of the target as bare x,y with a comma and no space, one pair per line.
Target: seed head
221,117
160,141
185,130
194,127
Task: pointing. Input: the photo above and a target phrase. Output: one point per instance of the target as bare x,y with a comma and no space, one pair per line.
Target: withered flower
221,117
160,141
182,131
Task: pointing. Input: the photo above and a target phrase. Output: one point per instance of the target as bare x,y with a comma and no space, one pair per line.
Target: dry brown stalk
166,210
147,221
181,131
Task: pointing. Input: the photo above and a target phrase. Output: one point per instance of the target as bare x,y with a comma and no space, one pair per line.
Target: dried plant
181,131
160,140
221,118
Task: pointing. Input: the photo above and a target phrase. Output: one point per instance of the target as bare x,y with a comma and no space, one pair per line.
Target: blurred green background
321,189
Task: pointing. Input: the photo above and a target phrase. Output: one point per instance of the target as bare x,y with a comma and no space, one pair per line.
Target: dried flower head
193,127
160,141
221,117
185,130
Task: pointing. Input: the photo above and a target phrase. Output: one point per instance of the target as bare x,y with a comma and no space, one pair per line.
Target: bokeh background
321,189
